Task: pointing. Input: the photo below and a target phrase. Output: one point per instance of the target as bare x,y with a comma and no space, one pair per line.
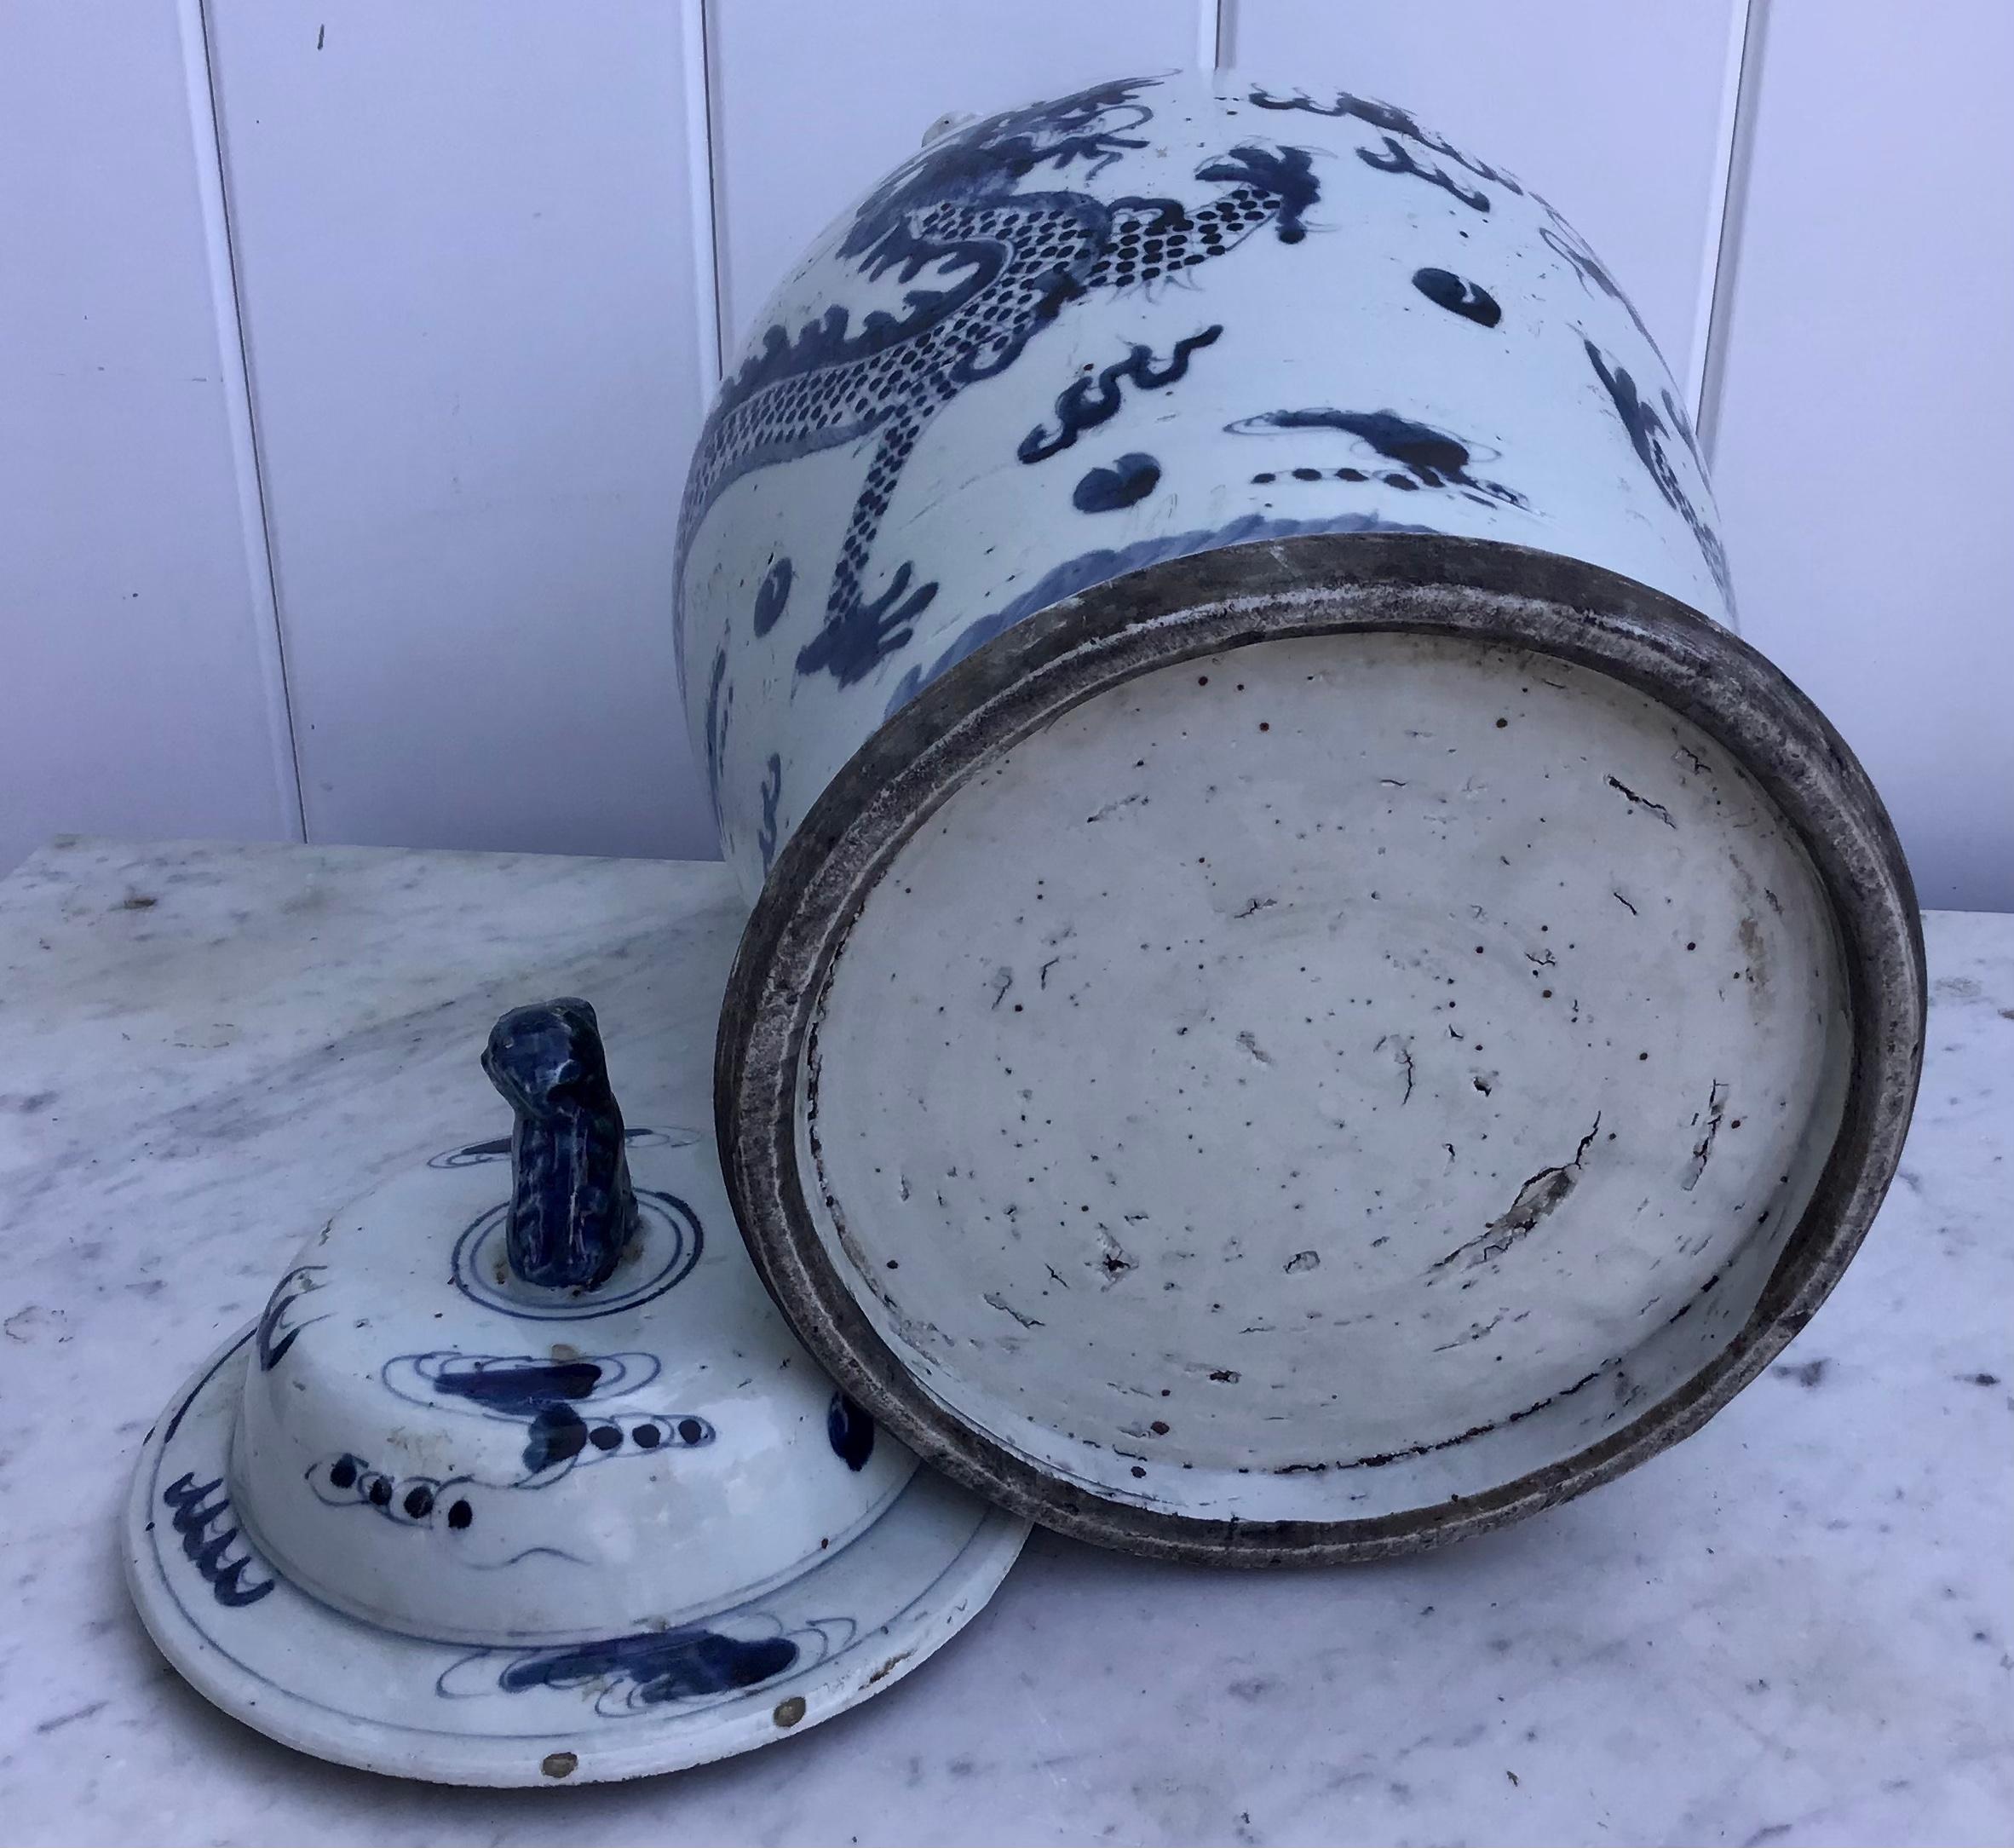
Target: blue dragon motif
661,1665
278,1329
1014,254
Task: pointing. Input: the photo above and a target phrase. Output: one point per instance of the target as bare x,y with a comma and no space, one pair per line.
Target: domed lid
511,1398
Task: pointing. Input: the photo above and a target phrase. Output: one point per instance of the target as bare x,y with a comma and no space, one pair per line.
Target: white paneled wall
351,351
1863,391
140,690
471,296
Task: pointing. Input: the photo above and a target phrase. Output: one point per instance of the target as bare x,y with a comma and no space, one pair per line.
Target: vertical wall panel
812,103
139,692
467,265
1865,387
1617,113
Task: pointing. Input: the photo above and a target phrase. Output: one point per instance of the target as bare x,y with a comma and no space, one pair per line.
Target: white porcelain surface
1151,318
436,1449
1796,1627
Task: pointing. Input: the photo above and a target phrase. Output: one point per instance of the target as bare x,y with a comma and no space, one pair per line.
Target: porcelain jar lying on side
1308,994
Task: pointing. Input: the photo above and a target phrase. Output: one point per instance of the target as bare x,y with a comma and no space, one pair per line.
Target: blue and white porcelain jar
1307,993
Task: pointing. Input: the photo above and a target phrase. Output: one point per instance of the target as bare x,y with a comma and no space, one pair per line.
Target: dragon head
986,159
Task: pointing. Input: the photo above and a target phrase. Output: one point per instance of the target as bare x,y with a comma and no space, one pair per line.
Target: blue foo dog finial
572,1208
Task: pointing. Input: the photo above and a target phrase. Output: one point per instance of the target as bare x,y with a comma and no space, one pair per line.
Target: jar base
1358,1053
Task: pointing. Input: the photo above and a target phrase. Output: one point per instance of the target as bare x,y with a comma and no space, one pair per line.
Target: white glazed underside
1323,1079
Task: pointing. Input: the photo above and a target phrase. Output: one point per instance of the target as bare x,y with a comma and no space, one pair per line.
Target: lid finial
571,1207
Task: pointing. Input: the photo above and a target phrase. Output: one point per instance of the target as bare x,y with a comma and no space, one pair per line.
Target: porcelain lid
512,1397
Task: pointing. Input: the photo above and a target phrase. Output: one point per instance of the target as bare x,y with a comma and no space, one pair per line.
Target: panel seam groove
702,163
1723,232
207,124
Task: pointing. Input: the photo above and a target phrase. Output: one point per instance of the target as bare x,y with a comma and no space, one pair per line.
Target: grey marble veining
1797,1627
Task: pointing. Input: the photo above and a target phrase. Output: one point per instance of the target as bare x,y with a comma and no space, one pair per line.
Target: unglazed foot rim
1483,592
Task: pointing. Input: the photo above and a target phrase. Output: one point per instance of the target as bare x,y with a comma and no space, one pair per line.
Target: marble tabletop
1797,1627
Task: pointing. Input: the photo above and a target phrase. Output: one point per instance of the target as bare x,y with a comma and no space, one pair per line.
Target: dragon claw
889,619
851,643
1286,173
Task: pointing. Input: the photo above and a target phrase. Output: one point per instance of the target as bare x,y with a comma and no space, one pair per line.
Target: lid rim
930,1529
